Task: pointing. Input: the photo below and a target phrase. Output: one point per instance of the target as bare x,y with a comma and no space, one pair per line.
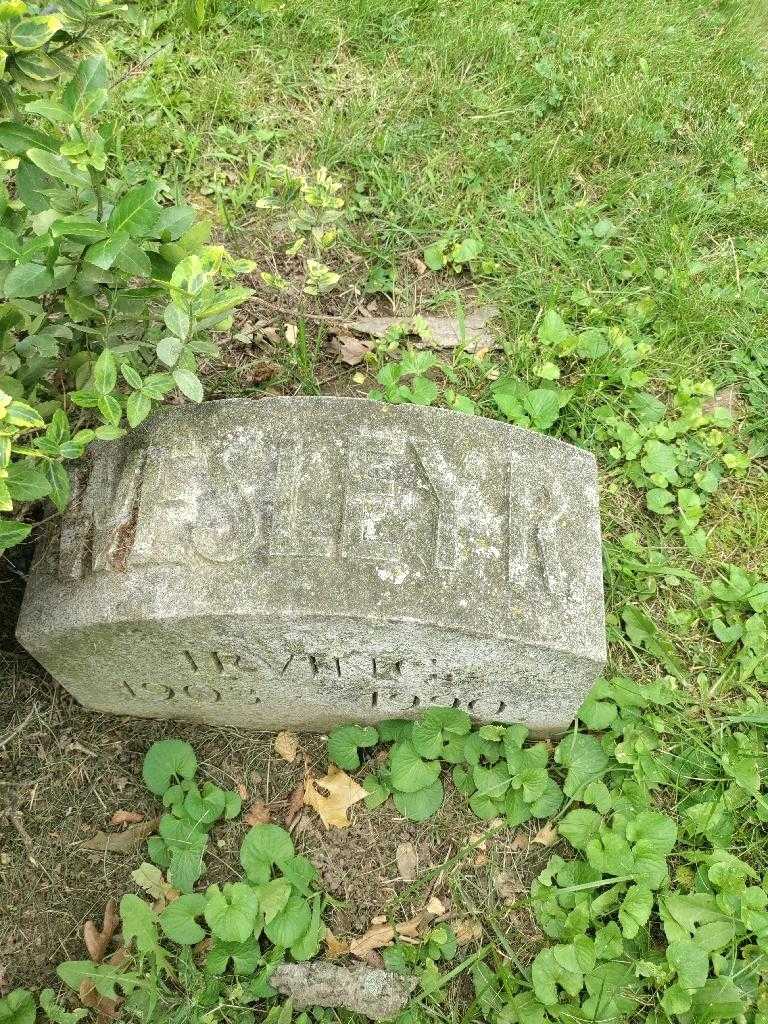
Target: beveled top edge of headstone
401,411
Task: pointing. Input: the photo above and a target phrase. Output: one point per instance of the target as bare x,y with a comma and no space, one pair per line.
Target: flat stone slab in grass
309,561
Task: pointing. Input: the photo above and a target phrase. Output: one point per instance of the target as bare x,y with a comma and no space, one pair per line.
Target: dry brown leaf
407,861
122,842
126,818
294,808
352,350
521,841
257,814
242,792
468,930
507,887
343,793
334,948
415,926
546,836
97,940
287,745
377,937
444,331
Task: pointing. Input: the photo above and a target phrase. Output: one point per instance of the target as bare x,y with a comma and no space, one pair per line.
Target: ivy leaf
168,761
422,804
231,912
343,744
291,923
436,727
635,910
408,771
178,922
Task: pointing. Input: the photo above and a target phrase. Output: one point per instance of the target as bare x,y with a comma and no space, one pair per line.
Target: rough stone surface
303,562
376,994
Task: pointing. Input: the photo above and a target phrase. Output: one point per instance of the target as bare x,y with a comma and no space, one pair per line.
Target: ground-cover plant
652,906
109,295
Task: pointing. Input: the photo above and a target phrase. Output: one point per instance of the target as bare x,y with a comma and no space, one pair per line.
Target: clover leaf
343,744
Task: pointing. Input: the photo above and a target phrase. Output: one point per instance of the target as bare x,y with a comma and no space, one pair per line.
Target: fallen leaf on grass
546,836
377,937
295,806
342,791
126,818
287,745
122,842
415,926
334,947
407,861
468,930
97,940
443,331
507,887
352,350
257,814
150,878
521,841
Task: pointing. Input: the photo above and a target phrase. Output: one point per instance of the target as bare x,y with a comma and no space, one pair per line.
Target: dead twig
15,732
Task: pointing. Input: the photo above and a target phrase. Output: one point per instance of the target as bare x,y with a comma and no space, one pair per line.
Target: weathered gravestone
308,561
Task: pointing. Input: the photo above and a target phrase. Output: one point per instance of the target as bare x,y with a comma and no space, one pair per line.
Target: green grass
526,125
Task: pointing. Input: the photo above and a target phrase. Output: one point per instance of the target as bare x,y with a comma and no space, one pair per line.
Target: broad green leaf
80,229
104,978
105,373
231,912
690,962
59,167
435,727
139,925
168,761
10,246
543,406
308,945
60,485
137,212
27,482
18,1008
579,827
86,92
56,1013
265,845
133,260
343,744
27,280
584,758
408,771
177,321
378,791
189,384
656,831
137,408
553,330
635,910
273,897
32,33
12,533
422,804
300,872
17,138
178,922
291,923
104,253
